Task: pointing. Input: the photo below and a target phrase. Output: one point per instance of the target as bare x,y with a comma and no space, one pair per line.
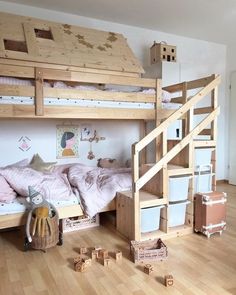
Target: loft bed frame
39,111
100,65
41,51
39,92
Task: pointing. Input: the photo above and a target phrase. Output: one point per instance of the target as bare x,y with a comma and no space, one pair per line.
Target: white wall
42,135
197,58
231,67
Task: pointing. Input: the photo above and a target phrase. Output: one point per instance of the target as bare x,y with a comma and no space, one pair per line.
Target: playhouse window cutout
173,58
164,49
172,50
168,57
13,45
44,34
164,57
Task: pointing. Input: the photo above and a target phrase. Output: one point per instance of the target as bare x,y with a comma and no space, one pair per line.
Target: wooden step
204,143
146,199
176,231
174,170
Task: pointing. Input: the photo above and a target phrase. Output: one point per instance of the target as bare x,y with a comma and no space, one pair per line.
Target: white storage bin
177,213
174,131
150,218
203,182
203,157
178,188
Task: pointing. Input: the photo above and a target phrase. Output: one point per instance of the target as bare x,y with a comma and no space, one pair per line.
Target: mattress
20,205
80,100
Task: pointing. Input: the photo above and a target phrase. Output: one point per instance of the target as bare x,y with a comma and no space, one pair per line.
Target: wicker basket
50,239
151,250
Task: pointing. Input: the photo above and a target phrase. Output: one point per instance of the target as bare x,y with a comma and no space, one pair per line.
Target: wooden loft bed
44,52
25,53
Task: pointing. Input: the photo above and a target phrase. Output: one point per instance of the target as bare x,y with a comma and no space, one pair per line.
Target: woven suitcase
210,212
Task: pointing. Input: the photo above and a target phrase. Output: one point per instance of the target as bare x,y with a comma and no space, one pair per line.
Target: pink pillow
53,185
7,194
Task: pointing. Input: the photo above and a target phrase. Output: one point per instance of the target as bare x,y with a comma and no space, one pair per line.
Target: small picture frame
67,141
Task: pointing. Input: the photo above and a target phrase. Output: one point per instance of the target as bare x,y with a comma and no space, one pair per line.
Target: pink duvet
54,186
98,186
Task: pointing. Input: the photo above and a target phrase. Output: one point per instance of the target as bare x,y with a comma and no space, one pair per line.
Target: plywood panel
68,45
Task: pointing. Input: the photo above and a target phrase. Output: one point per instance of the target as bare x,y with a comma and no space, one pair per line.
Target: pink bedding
98,186
54,186
7,194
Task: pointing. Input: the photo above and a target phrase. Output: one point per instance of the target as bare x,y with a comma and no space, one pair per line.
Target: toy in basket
42,229
150,250
79,222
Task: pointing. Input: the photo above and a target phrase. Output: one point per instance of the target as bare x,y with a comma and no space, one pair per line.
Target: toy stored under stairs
161,201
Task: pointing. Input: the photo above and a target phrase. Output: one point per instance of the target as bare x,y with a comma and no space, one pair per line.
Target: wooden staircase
150,181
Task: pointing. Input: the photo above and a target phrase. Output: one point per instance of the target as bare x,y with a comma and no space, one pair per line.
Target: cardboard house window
44,34
13,45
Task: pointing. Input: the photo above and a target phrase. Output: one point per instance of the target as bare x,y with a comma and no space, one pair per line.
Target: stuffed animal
41,211
108,163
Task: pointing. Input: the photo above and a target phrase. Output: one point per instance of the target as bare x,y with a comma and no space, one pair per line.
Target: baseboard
222,181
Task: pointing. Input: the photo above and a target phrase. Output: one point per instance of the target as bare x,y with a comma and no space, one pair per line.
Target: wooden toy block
148,269
80,266
118,256
78,260
94,254
87,261
103,253
83,250
169,281
106,261
97,248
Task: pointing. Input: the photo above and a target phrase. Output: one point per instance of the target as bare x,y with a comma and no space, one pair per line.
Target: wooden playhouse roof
29,39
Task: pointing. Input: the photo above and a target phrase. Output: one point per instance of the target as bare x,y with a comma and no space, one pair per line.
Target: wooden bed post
39,100
135,192
158,122
143,132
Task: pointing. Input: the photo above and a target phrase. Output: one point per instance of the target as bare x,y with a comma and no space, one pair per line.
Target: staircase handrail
176,115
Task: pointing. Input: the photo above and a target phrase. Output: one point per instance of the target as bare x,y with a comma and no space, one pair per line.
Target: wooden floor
198,265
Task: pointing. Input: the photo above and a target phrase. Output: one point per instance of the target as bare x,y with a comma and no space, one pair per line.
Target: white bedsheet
20,205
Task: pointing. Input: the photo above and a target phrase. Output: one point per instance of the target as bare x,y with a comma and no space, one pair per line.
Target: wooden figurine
148,269
169,281
83,250
103,253
118,256
106,261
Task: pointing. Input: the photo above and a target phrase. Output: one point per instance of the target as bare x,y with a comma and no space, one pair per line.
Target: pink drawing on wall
24,143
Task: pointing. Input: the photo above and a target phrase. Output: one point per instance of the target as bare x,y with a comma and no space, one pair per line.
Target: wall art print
67,141
24,143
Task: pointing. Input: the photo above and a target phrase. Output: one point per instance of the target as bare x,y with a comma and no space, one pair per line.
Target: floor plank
198,265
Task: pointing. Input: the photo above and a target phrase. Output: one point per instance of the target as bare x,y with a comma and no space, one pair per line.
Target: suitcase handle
210,226
210,203
199,170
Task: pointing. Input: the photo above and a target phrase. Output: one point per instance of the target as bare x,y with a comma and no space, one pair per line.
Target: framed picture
67,141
